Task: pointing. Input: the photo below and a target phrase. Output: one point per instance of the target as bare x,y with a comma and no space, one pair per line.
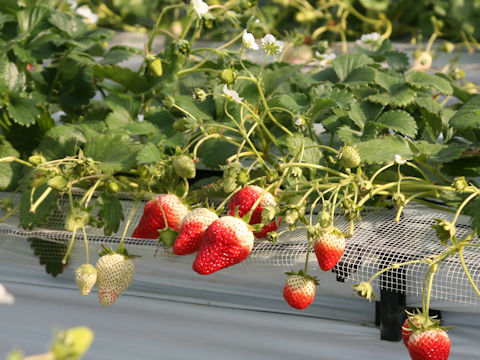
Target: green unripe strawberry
184,166
36,160
228,76
243,177
113,187
58,183
155,66
348,157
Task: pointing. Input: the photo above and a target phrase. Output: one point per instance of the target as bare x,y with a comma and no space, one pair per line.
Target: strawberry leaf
9,172
116,151
111,212
30,220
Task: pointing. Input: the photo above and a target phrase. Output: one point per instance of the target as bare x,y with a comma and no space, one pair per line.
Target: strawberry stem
465,202
70,246
85,239
42,197
430,274
308,255
121,248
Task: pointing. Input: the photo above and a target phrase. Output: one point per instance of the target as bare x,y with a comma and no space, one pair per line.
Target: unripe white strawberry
86,277
348,157
115,274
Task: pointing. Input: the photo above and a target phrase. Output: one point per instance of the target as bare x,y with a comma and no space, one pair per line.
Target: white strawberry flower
200,7
88,15
372,40
400,160
271,45
249,40
5,296
325,59
231,94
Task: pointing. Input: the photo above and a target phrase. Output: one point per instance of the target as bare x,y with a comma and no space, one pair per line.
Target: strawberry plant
201,132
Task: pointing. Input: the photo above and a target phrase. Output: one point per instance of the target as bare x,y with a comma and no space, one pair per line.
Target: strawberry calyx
303,274
167,237
120,250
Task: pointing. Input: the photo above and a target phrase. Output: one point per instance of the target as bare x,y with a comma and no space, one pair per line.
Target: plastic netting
378,242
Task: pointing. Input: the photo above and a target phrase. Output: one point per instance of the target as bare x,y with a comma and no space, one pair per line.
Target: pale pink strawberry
115,273
153,218
226,242
299,290
329,247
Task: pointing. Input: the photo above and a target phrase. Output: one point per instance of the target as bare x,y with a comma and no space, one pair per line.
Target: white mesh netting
377,243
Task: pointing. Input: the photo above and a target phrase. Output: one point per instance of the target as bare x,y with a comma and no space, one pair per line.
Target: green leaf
118,119
9,172
384,149
149,154
126,77
70,25
141,128
363,112
473,210
122,102
400,95
214,152
429,104
399,121
423,80
397,60
345,64
296,102
199,110
116,55
361,76
311,153
78,91
50,254
117,152
22,110
468,116
111,212
10,79
61,141
30,220
348,135
468,166
31,17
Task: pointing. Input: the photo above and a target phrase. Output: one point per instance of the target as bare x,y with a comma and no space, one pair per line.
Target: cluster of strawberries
220,242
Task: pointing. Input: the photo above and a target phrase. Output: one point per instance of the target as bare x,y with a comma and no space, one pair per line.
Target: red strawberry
226,242
416,320
115,274
192,229
244,200
153,217
430,344
329,246
299,290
